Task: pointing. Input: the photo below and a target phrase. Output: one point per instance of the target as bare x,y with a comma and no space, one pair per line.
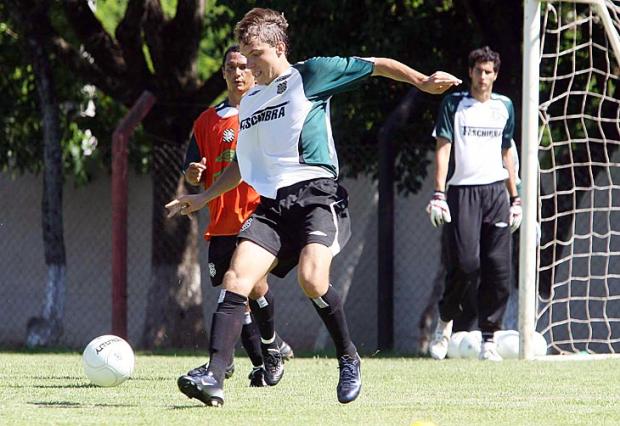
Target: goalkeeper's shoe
274,364
441,339
203,387
199,371
350,382
257,377
488,352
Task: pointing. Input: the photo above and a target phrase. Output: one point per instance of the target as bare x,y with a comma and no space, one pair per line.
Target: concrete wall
87,228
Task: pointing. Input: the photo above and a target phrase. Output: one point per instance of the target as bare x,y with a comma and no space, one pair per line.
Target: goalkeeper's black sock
487,336
263,310
225,330
250,339
329,307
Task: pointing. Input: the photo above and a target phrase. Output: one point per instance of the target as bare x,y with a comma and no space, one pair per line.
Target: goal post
569,273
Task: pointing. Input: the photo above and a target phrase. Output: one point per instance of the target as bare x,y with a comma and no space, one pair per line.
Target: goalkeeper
474,131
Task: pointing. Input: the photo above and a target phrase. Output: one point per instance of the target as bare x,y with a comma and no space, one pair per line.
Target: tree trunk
174,315
47,329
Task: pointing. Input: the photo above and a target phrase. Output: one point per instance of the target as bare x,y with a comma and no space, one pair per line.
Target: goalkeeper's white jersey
478,132
285,133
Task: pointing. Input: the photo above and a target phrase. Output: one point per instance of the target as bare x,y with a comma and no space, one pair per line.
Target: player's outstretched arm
435,84
186,204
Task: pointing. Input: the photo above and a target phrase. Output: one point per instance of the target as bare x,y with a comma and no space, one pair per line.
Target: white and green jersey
478,132
285,133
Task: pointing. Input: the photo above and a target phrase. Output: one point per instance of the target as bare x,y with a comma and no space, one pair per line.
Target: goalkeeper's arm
442,160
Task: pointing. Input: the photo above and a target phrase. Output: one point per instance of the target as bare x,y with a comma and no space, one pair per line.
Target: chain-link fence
87,233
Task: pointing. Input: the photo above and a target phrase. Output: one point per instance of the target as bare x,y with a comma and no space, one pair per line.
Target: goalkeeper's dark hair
233,48
484,54
266,25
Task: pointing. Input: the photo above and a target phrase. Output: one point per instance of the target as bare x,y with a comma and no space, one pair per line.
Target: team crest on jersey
246,224
228,135
283,77
281,87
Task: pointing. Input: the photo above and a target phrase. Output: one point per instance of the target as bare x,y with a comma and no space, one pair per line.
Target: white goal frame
529,159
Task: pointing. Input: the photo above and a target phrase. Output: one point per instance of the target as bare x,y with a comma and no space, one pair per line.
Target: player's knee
260,289
313,285
234,283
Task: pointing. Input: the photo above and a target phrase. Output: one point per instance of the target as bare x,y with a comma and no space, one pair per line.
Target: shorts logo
246,225
228,135
501,224
320,233
281,87
212,270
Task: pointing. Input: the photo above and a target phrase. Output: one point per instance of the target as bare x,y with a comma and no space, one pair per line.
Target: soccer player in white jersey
285,151
474,131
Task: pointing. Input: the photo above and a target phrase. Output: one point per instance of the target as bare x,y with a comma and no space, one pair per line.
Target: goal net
578,208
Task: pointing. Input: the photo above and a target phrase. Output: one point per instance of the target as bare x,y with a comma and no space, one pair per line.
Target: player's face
482,77
263,59
237,74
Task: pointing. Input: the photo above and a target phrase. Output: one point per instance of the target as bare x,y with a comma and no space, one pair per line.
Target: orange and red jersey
214,137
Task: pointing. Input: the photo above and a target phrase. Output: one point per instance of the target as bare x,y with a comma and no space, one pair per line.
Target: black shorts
221,249
313,211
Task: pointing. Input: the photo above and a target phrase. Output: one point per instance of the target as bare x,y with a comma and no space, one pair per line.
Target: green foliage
110,13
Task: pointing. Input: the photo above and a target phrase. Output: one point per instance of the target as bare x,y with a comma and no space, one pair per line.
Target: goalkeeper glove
516,213
438,209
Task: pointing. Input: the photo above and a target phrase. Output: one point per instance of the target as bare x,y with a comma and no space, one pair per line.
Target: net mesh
579,173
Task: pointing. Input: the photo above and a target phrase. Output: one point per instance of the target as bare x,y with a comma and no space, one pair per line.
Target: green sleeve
323,77
509,128
444,127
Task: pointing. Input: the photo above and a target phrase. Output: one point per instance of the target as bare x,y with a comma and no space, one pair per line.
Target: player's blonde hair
266,25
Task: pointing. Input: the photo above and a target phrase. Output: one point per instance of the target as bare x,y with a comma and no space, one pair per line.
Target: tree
46,329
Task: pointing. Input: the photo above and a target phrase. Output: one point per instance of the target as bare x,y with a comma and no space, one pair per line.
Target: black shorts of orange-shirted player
289,158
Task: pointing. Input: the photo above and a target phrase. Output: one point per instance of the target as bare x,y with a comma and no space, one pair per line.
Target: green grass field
49,388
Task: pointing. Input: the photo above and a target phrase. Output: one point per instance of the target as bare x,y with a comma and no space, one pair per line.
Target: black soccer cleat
285,350
274,366
202,370
204,388
350,382
257,377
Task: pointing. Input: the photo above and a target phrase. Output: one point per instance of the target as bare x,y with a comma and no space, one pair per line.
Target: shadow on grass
186,407
70,404
72,386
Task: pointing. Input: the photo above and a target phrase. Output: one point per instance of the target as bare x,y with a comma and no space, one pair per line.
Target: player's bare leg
313,274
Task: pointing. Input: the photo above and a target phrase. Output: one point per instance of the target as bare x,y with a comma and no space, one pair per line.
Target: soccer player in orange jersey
211,149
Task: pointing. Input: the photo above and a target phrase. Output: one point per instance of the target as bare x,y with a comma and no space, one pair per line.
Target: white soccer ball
540,344
508,344
455,342
108,361
470,344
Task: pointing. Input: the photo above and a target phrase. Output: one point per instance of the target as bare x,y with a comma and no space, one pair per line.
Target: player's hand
439,82
185,205
516,213
193,174
438,209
